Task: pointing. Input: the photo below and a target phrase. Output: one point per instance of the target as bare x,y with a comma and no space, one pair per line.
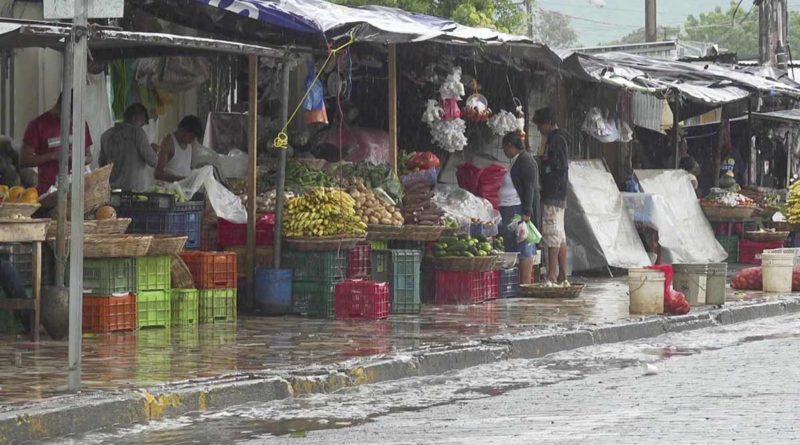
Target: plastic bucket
646,291
777,269
692,281
274,290
716,282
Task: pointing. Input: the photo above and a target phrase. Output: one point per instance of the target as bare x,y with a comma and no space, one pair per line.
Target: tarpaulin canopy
707,84
599,231
784,116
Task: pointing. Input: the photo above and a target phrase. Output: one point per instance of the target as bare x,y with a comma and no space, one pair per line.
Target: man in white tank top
175,155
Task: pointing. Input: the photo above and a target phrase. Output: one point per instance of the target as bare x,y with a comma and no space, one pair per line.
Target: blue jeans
525,249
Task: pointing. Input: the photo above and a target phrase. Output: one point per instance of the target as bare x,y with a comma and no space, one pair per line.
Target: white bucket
717,279
692,281
647,291
777,269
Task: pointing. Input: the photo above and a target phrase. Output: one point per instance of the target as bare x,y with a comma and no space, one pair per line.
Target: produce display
373,209
19,194
323,211
105,212
418,206
265,202
467,246
721,198
375,176
177,192
792,208
300,177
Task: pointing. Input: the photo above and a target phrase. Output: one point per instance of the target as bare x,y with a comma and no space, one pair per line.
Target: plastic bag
463,207
533,236
597,126
226,205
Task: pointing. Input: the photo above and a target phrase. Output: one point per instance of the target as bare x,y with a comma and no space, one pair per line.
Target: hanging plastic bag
314,105
534,237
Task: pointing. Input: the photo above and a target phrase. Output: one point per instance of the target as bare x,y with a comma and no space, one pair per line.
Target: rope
282,139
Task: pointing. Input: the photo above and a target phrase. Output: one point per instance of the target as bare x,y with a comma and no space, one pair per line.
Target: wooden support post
718,147
252,180
676,119
393,106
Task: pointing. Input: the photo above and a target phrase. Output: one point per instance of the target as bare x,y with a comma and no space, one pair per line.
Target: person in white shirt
175,155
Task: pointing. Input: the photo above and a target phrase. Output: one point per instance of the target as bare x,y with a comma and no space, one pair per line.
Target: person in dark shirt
519,195
555,171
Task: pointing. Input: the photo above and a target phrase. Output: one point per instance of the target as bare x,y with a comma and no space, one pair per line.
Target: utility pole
529,12
773,31
650,21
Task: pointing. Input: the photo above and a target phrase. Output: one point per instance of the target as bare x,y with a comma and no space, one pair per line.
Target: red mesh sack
489,183
468,177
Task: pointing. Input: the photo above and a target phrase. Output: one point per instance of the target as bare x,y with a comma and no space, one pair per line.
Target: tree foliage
555,30
501,15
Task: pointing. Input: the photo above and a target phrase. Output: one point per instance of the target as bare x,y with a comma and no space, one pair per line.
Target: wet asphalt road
737,383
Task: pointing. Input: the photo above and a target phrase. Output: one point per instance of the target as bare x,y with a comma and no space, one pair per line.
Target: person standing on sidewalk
555,171
519,195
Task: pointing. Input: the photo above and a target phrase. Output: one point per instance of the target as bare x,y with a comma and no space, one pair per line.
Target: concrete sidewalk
135,377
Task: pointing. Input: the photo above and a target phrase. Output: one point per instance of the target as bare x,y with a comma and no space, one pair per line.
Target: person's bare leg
562,263
525,268
552,264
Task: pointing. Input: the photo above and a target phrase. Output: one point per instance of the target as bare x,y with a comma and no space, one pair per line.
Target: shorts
553,234
526,250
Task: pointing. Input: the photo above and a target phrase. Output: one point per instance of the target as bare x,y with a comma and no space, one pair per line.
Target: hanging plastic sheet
226,205
694,230
599,232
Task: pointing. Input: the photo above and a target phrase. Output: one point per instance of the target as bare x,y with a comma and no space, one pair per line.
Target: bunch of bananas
323,211
793,204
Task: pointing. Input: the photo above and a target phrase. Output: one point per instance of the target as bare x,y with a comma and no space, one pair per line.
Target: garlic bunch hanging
433,112
450,135
452,88
503,123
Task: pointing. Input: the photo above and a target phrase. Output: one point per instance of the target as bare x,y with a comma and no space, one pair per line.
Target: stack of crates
509,282
314,280
20,255
401,269
109,300
159,213
215,277
153,291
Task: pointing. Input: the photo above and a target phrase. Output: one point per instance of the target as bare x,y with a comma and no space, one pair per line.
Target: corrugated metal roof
787,116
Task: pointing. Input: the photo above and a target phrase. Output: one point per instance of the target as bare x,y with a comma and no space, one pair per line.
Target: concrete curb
79,414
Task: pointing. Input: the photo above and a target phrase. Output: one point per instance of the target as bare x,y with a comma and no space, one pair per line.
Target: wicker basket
782,226
112,246
420,233
469,264
377,232
766,237
166,245
323,243
9,209
542,291
96,194
722,213
181,275
96,227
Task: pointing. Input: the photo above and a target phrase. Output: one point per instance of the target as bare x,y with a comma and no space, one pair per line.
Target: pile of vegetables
792,209
301,177
375,176
467,246
721,198
752,278
374,209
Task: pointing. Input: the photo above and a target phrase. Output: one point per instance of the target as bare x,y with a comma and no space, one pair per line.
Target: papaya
30,196
105,212
15,193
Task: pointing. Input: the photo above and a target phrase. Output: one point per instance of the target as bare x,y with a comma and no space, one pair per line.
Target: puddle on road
358,405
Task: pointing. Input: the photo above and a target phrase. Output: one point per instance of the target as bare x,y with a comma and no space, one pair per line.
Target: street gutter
79,414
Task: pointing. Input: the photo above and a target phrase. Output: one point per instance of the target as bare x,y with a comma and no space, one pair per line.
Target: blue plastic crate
167,223
509,283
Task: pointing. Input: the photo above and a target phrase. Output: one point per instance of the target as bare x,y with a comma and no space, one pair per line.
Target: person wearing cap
126,147
175,155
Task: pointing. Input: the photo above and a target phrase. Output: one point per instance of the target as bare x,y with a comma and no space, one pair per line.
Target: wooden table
27,231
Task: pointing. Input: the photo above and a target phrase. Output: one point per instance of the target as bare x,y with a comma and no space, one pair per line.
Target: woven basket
541,291
112,246
96,192
9,209
420,233
469,264
376,232
781,226
722,213
166,245
323,243
96,227
765,237
181,275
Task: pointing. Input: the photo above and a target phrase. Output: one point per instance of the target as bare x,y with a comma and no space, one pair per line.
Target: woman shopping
519,195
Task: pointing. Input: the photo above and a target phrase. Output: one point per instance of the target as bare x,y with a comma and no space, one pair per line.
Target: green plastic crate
401,269
153,273
322,267
185,307
731,246
154,309
379,245
313,299
109,276
217,305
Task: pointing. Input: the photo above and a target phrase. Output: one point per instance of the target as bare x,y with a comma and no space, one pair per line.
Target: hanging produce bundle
300,176
323,211
503,123
448,130
373,209
477,109
418,206
450,135
453,88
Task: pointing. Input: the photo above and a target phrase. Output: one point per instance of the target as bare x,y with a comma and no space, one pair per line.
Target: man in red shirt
41,145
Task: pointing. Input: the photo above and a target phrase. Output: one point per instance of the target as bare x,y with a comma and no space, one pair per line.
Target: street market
263,185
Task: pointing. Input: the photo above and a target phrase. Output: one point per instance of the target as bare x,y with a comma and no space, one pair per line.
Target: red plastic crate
362,299
212,270
454,287
358,261
109,313
232,234
750,251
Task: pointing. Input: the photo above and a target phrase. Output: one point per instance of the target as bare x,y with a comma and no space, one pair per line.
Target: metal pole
676,119
252,179
3,95
78,161
12,97
529,13
280,198
63,169
651,21
393,106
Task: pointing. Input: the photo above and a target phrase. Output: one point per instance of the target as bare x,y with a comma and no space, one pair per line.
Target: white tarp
681,213
599,232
